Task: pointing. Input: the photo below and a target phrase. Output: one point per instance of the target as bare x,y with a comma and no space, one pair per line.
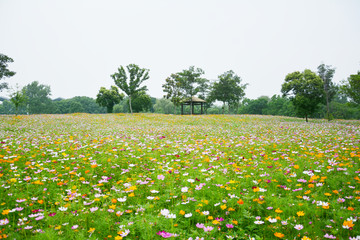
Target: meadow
148,176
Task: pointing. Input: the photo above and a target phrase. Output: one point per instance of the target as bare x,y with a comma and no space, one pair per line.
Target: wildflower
348,224
161,177
75,227
279,235
284,223
300,213
4,221
188,215
305,238
299,227
272,220
182,212
240,201
223,207
164,212
164,234
258,222
278,210
184,189
171,215
229,226
200,225
208,229
122,199
5,212
91,230
63,209
39,218
93,209
329,236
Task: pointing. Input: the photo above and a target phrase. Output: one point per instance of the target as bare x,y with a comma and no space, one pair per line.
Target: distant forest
305,94
40,103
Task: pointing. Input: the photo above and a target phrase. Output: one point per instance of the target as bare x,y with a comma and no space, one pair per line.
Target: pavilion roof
194,99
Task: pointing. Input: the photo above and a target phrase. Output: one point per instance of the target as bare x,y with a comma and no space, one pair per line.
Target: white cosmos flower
122,199
63,209
184,189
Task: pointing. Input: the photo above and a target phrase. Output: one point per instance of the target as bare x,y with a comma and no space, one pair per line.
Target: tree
18,98
136,77
228,89
326,73
163,105
4,71
305,90
141,102
351,87
173,90
109,97
38,98
191,83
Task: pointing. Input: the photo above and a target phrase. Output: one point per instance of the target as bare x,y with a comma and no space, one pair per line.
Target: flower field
149,176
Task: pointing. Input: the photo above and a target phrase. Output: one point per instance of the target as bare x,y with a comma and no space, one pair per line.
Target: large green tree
306,91
4,71
191,83
38,96
141,102
18,98
228,89
109,97
173,90
129,81
326,73
351,87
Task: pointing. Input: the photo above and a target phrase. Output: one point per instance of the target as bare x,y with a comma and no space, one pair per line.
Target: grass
148,176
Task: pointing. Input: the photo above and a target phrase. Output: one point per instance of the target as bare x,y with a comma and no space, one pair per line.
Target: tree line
305,94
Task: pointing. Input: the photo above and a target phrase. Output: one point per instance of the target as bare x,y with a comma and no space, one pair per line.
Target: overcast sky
74,46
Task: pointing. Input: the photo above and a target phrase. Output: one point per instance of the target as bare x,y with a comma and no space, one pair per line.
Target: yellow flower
296,166
112,206
182,212
223,207
118,238
348,224
215,222
91,230
235,222
327,194
278,211
279,235
5,212
306,238
300,213
210,218
132,195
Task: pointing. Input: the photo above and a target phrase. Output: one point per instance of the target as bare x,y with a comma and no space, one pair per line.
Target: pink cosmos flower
164,234
161,177
208,229
229,226
200,225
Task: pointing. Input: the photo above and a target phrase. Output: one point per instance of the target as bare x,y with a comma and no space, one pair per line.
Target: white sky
74,46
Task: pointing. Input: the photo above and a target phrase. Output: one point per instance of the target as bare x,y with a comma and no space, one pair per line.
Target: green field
148,176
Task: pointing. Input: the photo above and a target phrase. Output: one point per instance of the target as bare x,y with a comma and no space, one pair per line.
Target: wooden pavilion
192,102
